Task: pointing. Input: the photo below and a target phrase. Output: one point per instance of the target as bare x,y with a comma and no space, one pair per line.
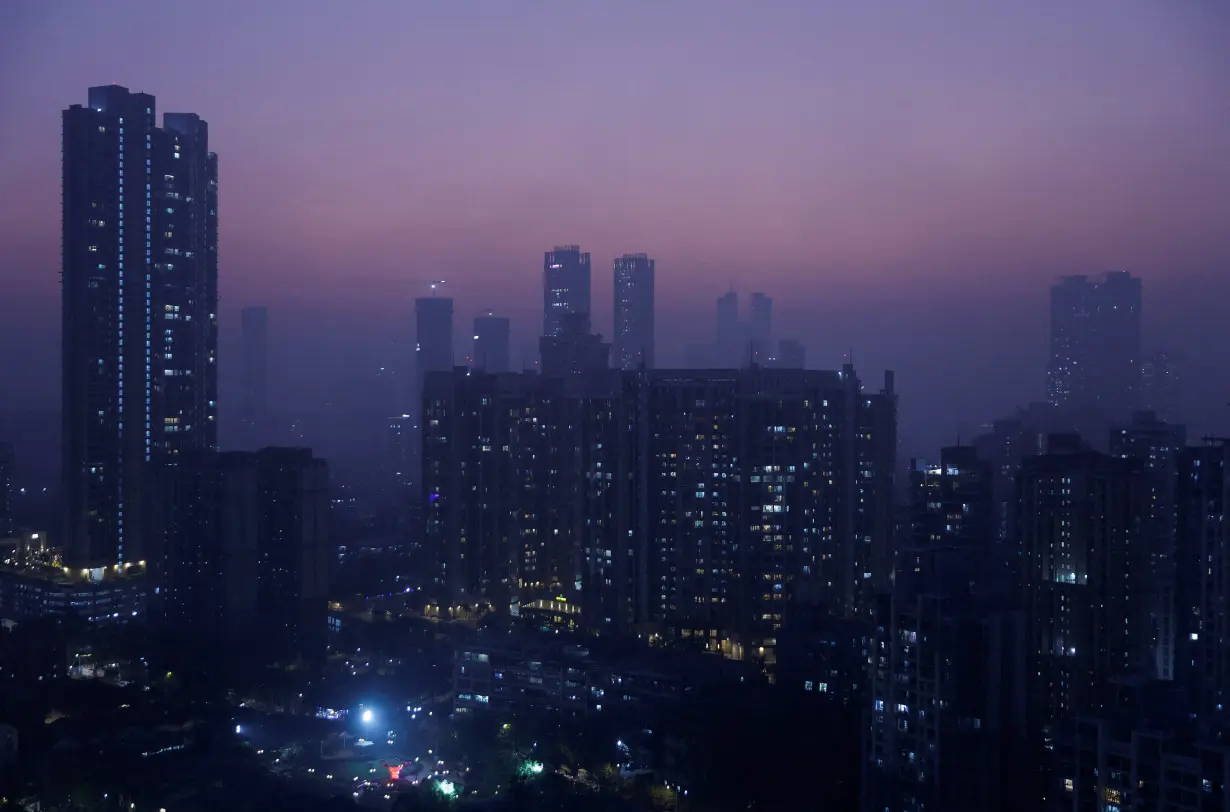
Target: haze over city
906,181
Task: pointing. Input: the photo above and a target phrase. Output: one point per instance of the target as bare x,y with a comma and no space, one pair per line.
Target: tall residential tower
565,287
634,316
139,323
1095,342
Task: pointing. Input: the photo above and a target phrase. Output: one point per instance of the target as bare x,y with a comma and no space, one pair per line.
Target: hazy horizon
904,182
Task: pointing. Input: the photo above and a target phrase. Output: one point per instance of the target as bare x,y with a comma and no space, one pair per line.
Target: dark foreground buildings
687,504
247,551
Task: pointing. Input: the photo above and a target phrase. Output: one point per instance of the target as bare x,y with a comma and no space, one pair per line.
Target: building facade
690,504
492,342
1095,342
634,312
566,284
139,318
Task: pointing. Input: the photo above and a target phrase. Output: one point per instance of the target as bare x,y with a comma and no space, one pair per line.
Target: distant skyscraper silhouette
729,337
760,329
634,311
433,350
791,354
139,322
255,327
491,343
1095,353
565,287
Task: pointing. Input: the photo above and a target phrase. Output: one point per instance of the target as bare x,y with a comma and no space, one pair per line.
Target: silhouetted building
139,315
1095,351
401,438
1082,518
492,336
565,287
247,551
948,694
948,705
791,354
953,547
760,329
574,349
697,504
1161,384
634,312
6,490
254,324
728,342
1157,445
1202,591
433,329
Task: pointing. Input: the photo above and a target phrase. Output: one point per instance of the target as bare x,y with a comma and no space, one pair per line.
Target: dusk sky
904,178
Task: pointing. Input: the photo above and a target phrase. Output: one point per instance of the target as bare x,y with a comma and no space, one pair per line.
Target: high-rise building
948,668
247,553
139,286
6,490
1081,516
728,342
574,349
634,312
1161,383
185,259
254,324
433,349
492,339
791,354
1095,342
1202,591
952,546
947,720
565,287
1157,445
760,330
704,503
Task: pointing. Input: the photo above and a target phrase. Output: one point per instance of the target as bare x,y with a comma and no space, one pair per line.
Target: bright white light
238,730
368,716
447,787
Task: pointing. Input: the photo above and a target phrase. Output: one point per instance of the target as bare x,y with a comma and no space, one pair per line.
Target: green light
446,787
533,767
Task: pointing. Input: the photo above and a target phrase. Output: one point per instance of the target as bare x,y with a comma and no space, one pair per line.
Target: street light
368,716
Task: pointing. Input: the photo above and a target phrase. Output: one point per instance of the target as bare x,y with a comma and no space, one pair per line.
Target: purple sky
904,178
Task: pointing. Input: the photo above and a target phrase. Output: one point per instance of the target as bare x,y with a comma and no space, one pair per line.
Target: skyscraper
791,354
729,335
433,349
1081,516
1202,591
491,343
255,327
634,312
707,503
139,296
565,287
760,330
1157,445
1095,351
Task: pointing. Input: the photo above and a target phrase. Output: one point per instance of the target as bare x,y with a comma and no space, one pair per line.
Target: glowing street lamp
368,716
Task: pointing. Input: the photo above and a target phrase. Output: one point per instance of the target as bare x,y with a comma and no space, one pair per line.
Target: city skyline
842,211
